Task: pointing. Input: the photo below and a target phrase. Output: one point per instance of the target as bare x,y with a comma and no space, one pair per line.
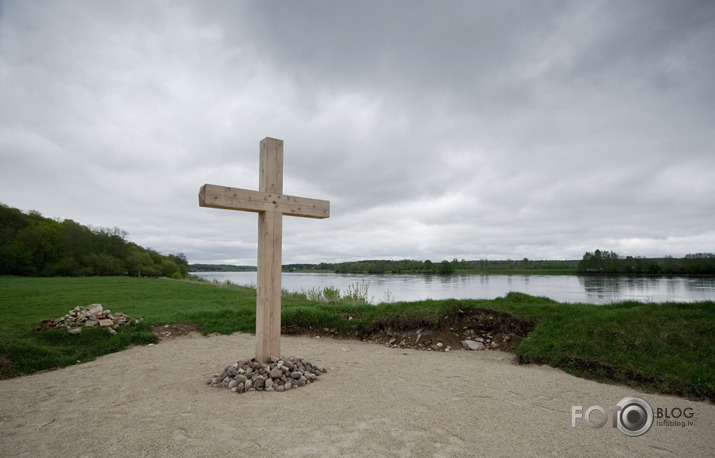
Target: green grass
667,348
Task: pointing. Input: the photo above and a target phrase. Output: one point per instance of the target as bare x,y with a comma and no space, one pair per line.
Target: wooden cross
271,204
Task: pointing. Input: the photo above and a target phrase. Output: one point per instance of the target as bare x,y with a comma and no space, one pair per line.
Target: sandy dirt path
374,401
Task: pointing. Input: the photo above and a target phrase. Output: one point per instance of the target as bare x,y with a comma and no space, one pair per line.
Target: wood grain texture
215,196
271,204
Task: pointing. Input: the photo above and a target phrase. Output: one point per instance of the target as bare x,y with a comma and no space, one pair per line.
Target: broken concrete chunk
95,309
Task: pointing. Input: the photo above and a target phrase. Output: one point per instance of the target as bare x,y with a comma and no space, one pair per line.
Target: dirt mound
7,369
487,329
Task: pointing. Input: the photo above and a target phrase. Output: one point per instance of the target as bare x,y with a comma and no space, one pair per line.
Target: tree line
32,245
593,263
220,268
610,263
444,267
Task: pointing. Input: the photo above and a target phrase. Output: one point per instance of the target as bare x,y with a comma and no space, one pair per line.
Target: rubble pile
279,374
92,315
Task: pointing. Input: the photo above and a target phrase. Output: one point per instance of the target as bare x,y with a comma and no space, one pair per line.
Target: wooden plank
270,178
270,241
268,291
256,201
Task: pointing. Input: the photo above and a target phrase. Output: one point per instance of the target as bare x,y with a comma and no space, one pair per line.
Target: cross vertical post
270,240
271,204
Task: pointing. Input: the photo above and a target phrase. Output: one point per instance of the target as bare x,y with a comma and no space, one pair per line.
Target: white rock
472,345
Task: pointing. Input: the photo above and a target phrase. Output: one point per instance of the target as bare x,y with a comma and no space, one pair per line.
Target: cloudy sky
437,130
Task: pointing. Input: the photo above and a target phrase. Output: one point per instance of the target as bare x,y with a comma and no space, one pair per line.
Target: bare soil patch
7,369
496,330
171,331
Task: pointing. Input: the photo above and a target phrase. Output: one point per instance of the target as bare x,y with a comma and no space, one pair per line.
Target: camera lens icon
635,417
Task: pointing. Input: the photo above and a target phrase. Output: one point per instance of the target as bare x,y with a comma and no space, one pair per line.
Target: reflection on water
562,288
647,289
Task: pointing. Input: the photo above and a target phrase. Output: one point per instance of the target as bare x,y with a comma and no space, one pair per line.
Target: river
562,288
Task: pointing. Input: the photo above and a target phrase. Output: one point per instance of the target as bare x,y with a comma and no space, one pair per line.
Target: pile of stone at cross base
280,374
92,315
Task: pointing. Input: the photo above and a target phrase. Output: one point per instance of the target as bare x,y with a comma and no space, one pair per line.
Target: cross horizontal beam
224,197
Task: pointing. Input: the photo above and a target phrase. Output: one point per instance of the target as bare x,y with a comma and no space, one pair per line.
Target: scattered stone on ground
473,345
469,329
170,331
90,316
280,374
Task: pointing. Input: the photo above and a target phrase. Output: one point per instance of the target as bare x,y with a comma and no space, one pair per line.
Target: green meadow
666,348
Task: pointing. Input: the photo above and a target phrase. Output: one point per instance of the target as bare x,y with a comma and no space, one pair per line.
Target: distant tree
103,264
670,265
39,246
699,264
445,267
609,262
598,262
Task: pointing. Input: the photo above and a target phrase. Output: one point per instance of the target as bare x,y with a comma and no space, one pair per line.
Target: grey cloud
437,130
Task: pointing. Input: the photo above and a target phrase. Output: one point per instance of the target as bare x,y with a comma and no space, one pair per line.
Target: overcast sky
437,130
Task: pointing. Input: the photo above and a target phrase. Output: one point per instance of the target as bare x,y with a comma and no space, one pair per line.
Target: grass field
666,348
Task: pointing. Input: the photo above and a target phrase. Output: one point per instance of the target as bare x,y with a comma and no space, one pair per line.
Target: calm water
562,288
